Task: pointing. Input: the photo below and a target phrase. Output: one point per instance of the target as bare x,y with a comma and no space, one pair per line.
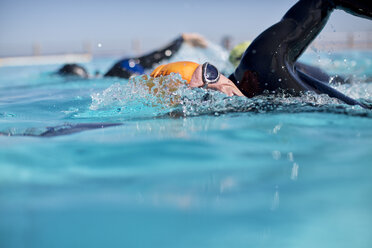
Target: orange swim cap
184,68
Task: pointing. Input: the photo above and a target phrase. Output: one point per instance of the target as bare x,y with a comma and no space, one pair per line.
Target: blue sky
65,25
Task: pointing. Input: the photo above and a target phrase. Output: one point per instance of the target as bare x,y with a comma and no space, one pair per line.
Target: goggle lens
211,72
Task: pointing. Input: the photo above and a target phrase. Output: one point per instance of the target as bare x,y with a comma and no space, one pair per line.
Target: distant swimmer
237,52
73,70
269,63
127,67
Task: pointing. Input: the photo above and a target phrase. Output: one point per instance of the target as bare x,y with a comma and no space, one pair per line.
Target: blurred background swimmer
73,70
127,67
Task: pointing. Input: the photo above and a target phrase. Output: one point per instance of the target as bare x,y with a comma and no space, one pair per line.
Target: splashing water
141,95
145,96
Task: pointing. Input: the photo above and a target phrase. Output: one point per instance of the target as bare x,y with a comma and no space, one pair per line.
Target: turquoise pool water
217,172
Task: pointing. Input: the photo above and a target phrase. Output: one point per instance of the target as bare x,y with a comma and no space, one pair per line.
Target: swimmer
127,67
73,70
199,75
268,64
192,73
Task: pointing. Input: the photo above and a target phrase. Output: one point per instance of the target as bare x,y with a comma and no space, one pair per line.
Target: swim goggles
210,74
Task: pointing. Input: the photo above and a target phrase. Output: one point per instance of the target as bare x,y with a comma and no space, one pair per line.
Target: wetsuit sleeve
148,61
269,62
127,67
326,89
313,71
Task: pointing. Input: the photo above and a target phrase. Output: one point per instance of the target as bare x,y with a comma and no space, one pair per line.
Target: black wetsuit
127,67
269,62
73,70
147,61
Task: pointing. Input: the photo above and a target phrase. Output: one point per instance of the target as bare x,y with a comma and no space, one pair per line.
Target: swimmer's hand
195,40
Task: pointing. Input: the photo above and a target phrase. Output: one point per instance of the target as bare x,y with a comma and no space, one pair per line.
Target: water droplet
276,155
294,173
277,129
168,53
131,63
275,203
290,156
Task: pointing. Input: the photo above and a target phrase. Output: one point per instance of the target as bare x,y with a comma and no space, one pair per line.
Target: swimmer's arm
312,71
324,88
150,60
65,129
195,40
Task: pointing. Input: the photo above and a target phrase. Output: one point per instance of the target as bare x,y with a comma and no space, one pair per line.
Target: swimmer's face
223,84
